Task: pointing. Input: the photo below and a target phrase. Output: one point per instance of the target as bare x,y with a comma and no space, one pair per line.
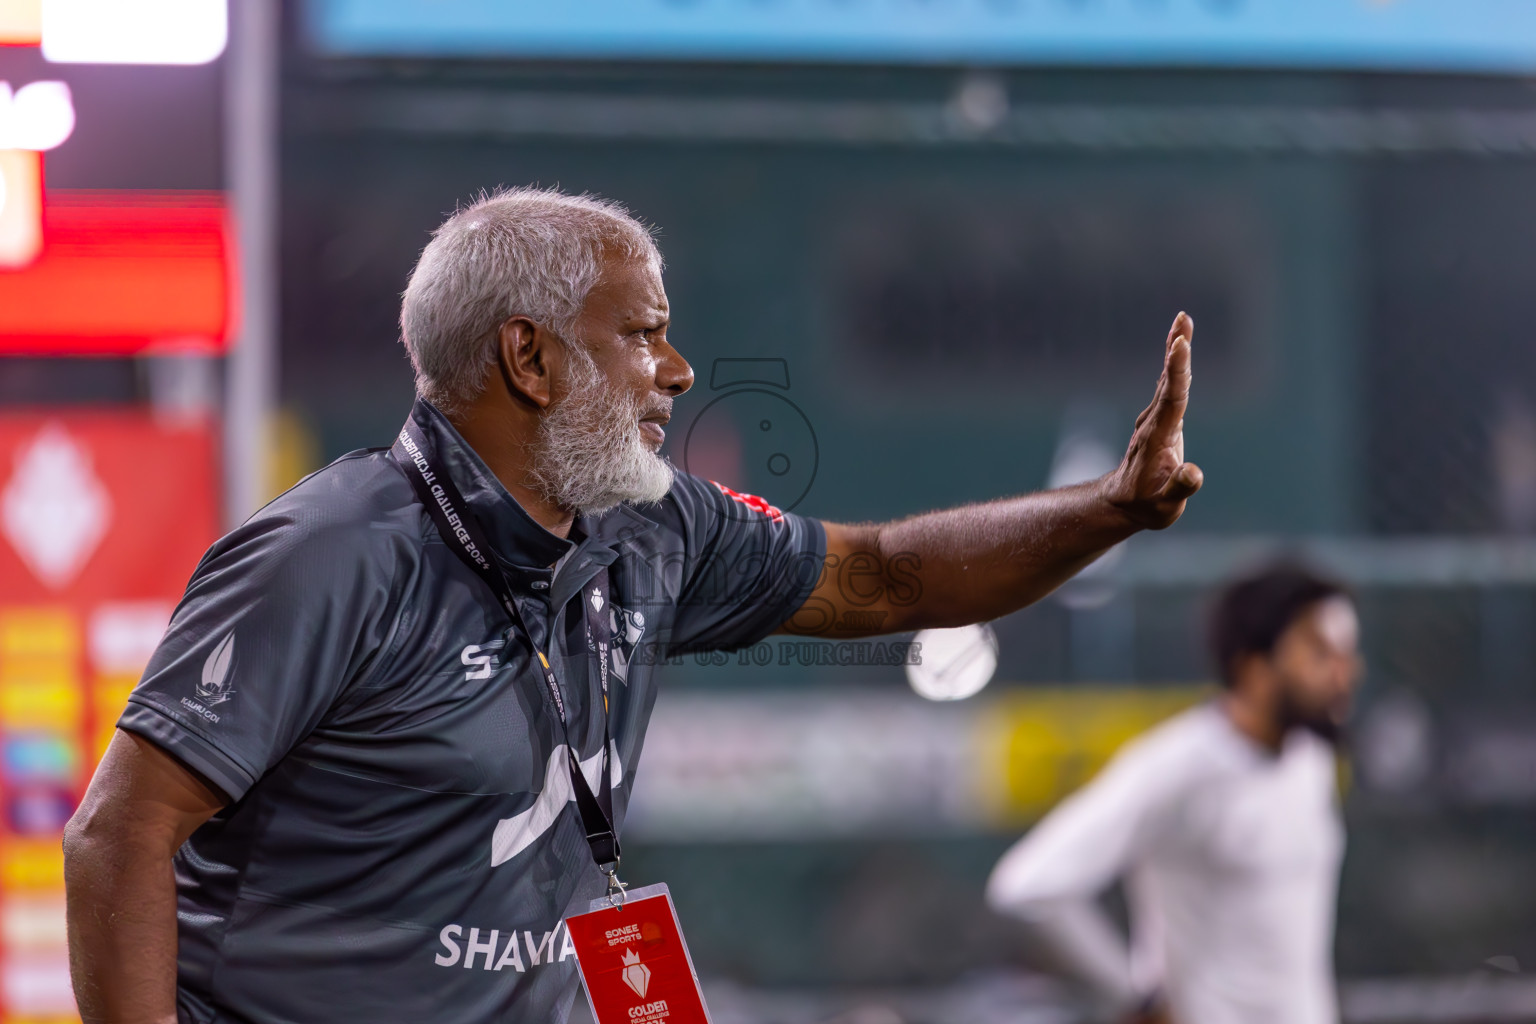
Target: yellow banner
31,865
38,631
48,705
1037,746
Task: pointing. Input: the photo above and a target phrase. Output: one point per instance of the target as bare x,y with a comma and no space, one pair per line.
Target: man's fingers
1173,390
1186,480
1183,327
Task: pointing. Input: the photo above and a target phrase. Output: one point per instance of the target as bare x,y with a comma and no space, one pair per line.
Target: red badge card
634,962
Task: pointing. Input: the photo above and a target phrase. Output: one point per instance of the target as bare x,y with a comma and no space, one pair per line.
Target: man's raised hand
1153,480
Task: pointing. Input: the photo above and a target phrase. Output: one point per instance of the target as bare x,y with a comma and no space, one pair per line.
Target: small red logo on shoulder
752,501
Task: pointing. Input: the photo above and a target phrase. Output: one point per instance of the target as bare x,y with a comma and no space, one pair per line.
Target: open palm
1153,481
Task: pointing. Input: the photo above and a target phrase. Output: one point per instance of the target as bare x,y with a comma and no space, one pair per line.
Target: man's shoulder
1311,752
694,502
686,495
1202,743
1180,745
357,505
679,512
360,488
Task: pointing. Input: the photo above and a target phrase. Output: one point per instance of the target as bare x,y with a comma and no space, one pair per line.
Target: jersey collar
519,540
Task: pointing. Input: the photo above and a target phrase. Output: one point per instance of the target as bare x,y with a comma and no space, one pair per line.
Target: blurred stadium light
118,31
37,116
21,207
21,22
133,31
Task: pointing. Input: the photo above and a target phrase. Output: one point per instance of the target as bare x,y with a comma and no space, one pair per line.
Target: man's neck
510,460
1250,717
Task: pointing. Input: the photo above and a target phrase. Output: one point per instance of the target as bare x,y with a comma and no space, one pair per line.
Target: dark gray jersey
402,840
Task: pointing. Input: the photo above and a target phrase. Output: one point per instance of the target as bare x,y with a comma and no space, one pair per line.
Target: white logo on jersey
515,834
628,627
214,687
482,945
480,658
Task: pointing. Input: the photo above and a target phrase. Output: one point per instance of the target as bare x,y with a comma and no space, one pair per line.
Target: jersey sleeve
1051,877
1090,838
746,568
278,618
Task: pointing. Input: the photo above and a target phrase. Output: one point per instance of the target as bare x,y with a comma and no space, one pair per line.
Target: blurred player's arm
1051,880
141,805
983,561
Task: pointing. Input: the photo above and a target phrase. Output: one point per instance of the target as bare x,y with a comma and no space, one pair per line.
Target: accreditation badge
634,963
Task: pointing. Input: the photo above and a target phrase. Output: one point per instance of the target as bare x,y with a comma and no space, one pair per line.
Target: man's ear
1255,673
528,355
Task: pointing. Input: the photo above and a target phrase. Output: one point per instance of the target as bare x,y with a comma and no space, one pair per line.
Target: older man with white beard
389,738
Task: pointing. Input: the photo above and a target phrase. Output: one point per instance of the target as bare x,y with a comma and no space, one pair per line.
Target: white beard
590,456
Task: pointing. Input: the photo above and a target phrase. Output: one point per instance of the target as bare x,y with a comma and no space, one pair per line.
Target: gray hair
516,252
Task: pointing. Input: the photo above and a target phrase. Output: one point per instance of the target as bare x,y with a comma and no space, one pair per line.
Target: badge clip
616,894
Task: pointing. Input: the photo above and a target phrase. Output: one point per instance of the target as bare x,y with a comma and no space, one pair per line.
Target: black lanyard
415,453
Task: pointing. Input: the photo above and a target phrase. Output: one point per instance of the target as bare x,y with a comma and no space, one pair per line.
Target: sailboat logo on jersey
214,686
636,975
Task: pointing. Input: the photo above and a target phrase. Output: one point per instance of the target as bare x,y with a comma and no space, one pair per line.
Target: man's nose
1348,673
673,374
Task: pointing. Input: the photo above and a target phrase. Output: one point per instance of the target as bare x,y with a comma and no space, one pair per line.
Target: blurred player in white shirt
1224,824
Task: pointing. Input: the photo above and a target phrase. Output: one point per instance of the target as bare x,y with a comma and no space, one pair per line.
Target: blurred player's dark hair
1254,610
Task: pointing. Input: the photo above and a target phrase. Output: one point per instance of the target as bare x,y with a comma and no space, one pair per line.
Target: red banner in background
103,516
121,273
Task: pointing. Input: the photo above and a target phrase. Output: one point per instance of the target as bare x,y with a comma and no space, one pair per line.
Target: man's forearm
122,928
980,562
1077,941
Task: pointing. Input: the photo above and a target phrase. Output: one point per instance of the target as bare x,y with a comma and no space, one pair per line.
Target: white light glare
37,116
134,31
953,664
